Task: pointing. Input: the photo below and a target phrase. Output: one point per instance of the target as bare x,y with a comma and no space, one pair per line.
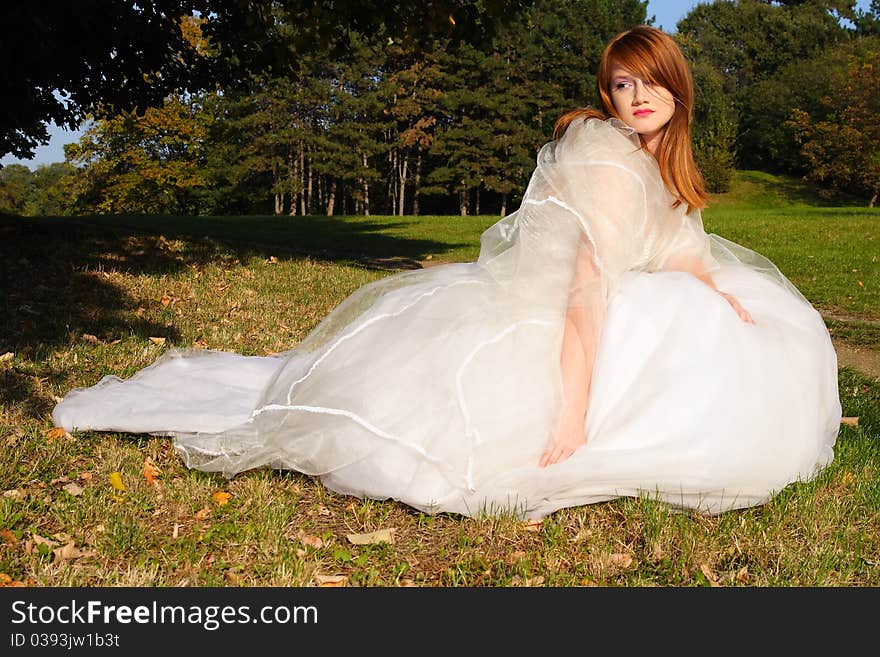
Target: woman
601,346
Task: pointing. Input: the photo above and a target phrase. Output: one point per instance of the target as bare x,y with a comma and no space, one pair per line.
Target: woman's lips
644,112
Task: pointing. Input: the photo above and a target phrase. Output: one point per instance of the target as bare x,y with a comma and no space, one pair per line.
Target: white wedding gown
440,387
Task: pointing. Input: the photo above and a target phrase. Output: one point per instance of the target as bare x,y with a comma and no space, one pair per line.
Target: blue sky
666,12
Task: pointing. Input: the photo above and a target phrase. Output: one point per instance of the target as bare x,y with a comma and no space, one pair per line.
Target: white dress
440,387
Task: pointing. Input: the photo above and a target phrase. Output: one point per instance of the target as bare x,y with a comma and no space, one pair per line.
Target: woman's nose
639,93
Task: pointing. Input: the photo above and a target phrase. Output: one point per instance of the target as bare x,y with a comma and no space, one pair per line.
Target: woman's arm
583,324
695,266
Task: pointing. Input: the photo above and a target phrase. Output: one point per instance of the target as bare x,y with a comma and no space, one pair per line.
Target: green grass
82,298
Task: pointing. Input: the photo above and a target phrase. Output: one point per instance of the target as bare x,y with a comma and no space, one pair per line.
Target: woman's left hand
735,304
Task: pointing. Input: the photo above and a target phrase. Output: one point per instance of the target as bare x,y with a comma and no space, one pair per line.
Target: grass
83,298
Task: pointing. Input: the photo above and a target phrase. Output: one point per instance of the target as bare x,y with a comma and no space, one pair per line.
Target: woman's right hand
567,438
737,307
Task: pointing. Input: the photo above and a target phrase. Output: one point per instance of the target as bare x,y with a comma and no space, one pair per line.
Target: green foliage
781,65
842,148
714,128
150,163
16,187
90,56
46,191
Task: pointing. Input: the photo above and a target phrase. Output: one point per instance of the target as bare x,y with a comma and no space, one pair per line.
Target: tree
714,128
52,190
16,185
105,57
148,164
843,148
68,60
762,52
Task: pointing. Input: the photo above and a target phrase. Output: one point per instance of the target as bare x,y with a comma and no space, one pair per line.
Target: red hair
655,57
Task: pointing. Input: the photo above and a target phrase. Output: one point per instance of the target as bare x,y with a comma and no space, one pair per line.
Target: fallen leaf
203,514
331,580
515,556
710,575
406,583
742,575
69,551
151,472
91,339
7,356
371,538
850,421
165,300
158,341
13,494
73,489
42,540
176,531
6,580
8,536
221,497
56,433
533,525
85,476
116,481
200,344
273,259
620,560
307,539
533,581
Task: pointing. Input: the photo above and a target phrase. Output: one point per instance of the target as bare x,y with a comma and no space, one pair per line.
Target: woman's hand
568,436
735,304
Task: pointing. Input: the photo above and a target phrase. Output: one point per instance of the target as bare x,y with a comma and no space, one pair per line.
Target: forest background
213,108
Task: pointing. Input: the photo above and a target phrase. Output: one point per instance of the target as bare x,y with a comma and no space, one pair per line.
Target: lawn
91,296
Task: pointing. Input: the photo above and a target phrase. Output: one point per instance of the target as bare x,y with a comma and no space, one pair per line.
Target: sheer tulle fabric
440,387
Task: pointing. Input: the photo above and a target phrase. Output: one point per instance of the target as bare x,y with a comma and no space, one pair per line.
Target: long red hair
655,57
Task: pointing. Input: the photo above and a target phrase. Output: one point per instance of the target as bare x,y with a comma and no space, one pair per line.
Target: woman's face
644,107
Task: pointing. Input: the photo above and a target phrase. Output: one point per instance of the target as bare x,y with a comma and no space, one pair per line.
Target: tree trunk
402,177
279,203
477,208
463,201
873,201
331,199
366,188
309,204
392,188
302,180
292,172
416,180
504,204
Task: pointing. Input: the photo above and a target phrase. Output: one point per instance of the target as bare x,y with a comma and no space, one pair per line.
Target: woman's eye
621,85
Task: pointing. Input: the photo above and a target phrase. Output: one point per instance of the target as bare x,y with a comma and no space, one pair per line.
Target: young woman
602,345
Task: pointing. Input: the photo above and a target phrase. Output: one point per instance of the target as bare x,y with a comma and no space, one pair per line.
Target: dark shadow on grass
365,241
58,289
794,190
